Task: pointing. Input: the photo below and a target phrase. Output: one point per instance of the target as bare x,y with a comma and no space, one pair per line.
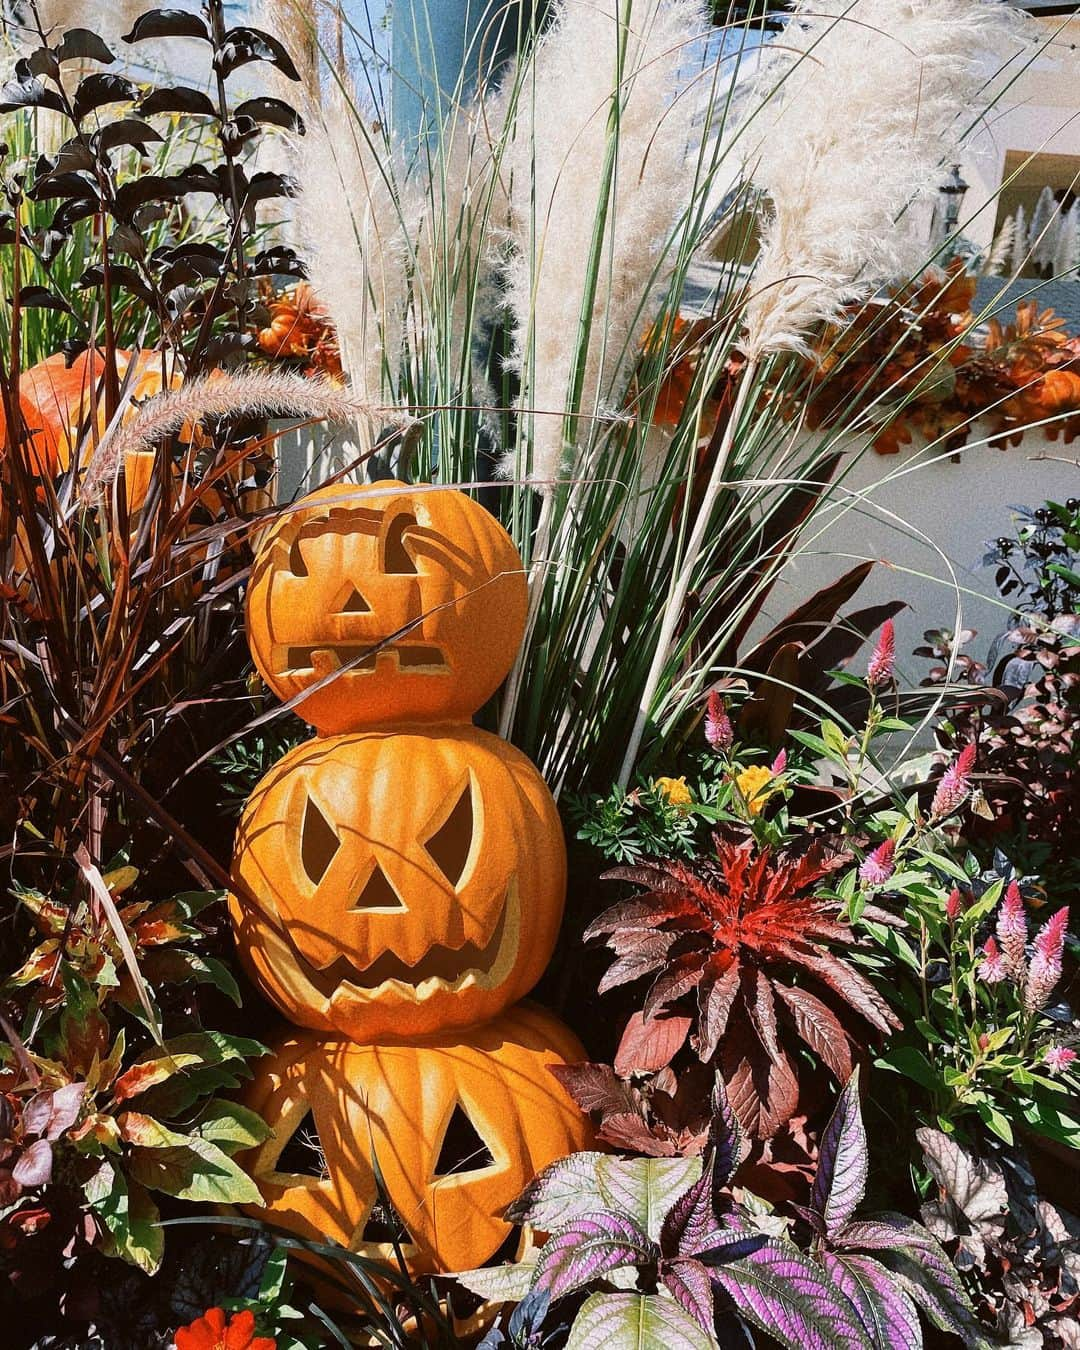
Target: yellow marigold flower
754,785
674,791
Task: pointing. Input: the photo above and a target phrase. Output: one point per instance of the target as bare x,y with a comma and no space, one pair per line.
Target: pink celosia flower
1046,963
718,729
1059,1057
954,905
779,764
878,866
1012,932
992,967
881,669
952,787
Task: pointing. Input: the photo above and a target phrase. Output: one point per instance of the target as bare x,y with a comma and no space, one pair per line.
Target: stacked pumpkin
398,884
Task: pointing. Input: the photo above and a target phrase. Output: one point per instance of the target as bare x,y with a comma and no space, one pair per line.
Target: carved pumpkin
458,1126
393,884
428,573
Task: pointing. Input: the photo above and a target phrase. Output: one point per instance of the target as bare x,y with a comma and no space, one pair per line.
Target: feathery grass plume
1001,250
346,225
600,169
254,393
851,116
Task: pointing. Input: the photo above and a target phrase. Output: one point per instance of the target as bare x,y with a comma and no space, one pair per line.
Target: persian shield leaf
885,1310
589,1248
560,1193
840,1182
635,1322
790,1297
646,1188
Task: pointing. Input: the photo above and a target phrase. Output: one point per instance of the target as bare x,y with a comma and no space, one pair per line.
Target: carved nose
353,603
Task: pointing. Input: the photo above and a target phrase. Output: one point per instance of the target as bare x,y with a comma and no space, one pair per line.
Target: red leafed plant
746,942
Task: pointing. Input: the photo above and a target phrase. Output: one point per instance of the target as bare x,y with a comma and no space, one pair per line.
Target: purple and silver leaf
645,1189
589,1248
639,1321
562,1191
884,1309
786,1294
725,1136
921,1268
840,1183
688,1283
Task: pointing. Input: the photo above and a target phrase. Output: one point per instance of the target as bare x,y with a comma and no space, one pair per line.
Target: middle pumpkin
393,884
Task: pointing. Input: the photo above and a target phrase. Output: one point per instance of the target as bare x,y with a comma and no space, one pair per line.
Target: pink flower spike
1045,968
952,788
881,669
954,905
1012,932
779,764
1059,1057
718,729
992,967
878,866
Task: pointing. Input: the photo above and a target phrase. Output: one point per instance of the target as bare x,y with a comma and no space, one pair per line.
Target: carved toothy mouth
440,969
363,658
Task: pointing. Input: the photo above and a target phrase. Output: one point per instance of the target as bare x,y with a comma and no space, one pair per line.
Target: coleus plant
648,1250
742,954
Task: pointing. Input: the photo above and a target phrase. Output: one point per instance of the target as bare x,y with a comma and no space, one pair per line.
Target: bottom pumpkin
458,1126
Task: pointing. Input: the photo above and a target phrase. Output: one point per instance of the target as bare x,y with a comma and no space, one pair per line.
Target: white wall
919,515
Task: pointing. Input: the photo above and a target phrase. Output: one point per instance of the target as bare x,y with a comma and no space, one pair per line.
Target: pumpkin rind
366,914
427,573
397,1101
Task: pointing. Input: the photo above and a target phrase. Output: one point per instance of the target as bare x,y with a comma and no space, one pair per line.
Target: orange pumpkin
406,882
429,574
458,1125
57,400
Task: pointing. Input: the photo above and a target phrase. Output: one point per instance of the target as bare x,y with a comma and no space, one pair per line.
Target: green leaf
646,1188
913,1064
635,1322
231,1127
130,1217
993,1119
186,1166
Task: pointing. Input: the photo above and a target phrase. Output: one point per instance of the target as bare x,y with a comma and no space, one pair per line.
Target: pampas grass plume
555,164
851,117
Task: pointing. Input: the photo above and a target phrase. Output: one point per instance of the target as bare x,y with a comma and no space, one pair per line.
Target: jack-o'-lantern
400,604
394,884
457,1125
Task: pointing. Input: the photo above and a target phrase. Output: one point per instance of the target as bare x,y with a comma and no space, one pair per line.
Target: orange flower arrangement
212,1332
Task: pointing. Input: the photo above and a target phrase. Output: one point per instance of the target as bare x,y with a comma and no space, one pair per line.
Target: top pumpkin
385,604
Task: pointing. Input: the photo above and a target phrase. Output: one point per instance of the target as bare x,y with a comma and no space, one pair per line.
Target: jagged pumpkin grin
439,969
363,658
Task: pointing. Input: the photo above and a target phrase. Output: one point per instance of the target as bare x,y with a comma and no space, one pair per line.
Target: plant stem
677,598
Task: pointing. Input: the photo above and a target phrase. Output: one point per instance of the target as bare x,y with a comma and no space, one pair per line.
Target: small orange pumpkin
426,572
458,1126
406,882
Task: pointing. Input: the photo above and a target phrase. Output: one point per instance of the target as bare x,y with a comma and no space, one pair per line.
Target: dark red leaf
648,1044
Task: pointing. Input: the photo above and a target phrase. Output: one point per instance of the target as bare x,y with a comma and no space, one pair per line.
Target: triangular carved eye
452,842
303,1155
377,894
318,843
385,1225
462,1148
396,559
297,565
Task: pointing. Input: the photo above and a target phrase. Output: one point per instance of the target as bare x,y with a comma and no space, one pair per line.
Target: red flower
878,866
718,729
212,1332
952,788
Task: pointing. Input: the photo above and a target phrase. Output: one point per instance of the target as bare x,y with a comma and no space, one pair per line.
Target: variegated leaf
885,1310
635,1322
840,1182
645,1189
587,1249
